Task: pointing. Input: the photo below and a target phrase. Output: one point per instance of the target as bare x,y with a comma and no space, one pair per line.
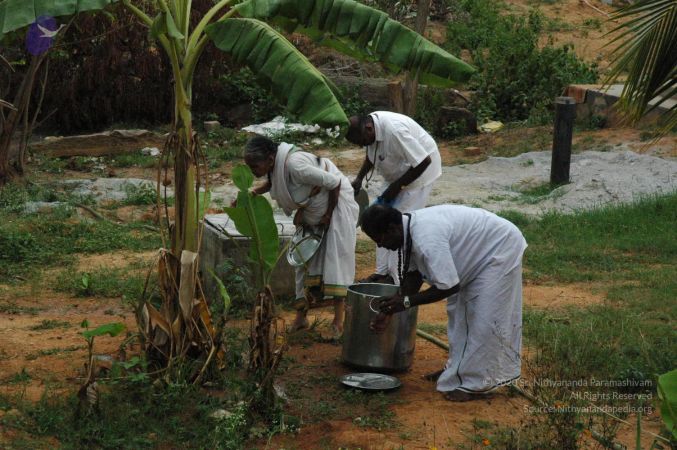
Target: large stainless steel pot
390,351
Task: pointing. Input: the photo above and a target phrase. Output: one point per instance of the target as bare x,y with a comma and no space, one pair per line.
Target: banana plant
253,217
247,31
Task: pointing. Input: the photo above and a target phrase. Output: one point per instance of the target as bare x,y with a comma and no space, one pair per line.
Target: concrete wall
597,101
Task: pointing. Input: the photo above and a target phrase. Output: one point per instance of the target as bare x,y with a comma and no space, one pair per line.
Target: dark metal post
565,113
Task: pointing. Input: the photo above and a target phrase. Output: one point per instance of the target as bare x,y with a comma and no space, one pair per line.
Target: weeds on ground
134,412
222,145
49,324
133,416
133,159
12,308
142,194
536,194
127,283
312,390
54,351
608,355
29,242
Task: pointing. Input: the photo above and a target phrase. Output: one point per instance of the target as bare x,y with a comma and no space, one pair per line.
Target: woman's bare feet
300,322
460,396
339,316
433,376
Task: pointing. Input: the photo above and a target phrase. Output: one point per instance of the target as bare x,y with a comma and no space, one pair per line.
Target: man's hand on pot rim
391,305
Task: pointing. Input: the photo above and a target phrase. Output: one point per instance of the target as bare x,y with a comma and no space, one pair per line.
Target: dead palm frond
648,53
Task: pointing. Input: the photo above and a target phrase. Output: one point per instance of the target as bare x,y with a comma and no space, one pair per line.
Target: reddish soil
54,359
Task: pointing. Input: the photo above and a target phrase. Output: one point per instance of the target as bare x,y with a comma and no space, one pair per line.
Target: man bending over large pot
473,259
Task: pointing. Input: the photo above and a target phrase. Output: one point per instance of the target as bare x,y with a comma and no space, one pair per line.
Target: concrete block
211,125
221,242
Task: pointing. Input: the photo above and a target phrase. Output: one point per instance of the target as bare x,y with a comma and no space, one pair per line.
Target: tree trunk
411,83
13,121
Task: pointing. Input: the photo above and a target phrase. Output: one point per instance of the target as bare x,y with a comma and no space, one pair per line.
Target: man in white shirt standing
406,156
473,259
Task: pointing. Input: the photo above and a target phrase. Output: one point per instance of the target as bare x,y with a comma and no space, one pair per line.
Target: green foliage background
517,80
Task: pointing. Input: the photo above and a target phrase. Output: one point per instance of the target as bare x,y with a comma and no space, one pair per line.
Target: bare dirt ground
53,359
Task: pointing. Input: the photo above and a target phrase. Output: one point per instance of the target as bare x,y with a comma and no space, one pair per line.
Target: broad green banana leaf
112,329
253,217
667,394
15,14
308,94
366,29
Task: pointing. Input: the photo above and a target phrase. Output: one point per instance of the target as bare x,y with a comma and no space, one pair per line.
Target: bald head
361,130
383,224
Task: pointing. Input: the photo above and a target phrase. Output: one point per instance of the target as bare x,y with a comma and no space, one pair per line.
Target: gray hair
259,148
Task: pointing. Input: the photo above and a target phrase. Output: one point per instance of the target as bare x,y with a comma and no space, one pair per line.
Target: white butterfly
47,33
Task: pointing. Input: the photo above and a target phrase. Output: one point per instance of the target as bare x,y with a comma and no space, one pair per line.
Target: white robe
400,144
482,253
294,176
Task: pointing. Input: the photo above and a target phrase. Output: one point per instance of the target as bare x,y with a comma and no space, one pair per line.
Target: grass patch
143,194
29,243
365,246
54,351
12,308
613,243
310,387
222,145
134,416
136,159
19,377
631,248
127,283
50,325
139,412
536,194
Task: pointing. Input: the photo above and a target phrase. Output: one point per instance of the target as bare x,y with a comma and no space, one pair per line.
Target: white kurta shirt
452,244
305,172
401,144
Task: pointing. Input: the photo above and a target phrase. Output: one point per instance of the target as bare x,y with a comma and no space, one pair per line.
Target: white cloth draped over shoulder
482,253
295,175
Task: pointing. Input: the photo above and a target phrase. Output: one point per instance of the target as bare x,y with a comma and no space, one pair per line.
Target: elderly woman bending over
321,196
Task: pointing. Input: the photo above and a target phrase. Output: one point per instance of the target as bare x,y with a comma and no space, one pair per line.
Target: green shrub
142,194
31,243
353,103
240,87
516,80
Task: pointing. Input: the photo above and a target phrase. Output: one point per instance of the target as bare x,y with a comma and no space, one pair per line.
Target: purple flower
41,34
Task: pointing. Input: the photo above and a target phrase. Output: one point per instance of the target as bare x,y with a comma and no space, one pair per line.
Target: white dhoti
301,180
407,201
485,332
333,266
